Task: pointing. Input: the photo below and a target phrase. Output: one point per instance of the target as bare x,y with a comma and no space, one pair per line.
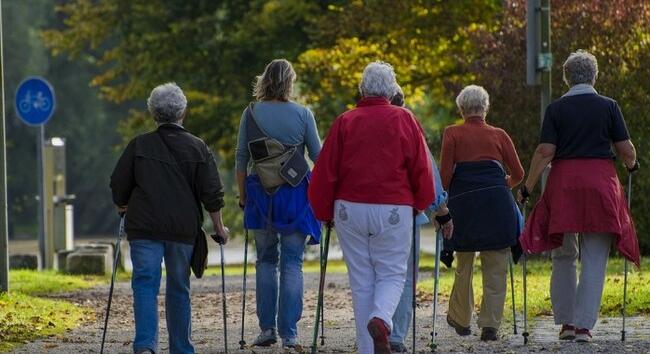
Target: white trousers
376,243
578,302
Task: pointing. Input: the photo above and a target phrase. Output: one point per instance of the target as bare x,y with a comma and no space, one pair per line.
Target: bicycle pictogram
37,102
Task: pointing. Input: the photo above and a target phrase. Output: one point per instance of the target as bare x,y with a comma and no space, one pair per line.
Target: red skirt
582,195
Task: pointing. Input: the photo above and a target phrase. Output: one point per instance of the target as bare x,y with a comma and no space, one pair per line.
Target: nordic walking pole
524,258
512,291
436,276
322,307
219,239
110,291
321,286
629,206
242,342
414,285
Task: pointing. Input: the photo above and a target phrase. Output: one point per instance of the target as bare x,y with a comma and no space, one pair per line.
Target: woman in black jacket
162,179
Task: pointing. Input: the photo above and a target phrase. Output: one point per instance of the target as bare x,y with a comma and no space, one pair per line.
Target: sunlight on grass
538,282
49,281
24,318
333,266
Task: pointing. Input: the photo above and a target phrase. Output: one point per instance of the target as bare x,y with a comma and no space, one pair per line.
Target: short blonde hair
276,82
473,100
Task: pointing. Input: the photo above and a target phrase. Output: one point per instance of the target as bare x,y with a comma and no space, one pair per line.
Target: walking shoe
583,335
144,351
460,330
266,338
289,342
379,333
489,334
568,332
397,347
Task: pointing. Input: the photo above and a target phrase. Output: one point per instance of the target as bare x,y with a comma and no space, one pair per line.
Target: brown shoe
460,330
489,334
379,333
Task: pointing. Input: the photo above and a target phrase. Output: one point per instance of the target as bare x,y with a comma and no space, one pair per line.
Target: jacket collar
174,126
373,101
581,89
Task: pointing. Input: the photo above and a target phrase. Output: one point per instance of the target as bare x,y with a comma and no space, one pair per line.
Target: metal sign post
4,233
539,59
35,105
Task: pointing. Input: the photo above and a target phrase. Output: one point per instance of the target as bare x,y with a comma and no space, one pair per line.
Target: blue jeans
404,311
287,250
147,256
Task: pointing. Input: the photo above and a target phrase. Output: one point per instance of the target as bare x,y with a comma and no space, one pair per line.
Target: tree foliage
214,49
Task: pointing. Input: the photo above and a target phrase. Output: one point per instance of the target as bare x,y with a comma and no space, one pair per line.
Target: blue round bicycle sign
35,101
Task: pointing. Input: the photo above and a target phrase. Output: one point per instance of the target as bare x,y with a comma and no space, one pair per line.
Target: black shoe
397,347
460,330
489,334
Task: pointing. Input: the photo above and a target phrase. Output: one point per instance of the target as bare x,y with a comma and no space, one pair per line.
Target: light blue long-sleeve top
287,122
441,194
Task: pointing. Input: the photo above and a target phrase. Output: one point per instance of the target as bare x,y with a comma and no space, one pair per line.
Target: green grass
48,281
333,266
24,316
538,282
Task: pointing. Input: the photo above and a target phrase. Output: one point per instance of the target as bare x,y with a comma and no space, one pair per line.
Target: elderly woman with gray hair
583,208
164,179
479,166
373,172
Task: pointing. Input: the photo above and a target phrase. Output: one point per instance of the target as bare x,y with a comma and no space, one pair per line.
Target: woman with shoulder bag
273,135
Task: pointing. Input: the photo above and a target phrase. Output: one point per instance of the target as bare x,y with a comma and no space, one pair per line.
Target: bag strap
178,169
253,130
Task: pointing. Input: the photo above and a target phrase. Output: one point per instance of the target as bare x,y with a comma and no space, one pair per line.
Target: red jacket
581,195
374,154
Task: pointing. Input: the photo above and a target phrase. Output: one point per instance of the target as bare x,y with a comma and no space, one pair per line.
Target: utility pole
4,232
539,58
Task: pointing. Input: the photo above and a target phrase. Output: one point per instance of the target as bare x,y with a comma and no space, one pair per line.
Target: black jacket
164,191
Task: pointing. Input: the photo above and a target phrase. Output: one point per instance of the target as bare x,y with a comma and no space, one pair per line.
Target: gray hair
167,103
473,100
378,80
276,82
581,67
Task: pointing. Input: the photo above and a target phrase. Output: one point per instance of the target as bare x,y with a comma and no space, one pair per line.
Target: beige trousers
494,267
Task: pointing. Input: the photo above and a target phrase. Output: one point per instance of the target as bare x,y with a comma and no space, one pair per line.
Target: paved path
208,333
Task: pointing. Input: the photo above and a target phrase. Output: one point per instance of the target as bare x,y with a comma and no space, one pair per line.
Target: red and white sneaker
583,335
568,332
379,333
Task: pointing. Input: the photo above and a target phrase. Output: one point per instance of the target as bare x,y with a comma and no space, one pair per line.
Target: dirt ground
339,322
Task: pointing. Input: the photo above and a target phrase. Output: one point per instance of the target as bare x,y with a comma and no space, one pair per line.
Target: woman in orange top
479,166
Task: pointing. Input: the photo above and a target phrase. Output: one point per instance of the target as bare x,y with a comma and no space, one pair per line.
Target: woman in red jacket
372,173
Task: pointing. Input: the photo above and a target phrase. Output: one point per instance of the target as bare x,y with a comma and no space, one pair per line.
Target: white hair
378,80
473,100
581,67
167,103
